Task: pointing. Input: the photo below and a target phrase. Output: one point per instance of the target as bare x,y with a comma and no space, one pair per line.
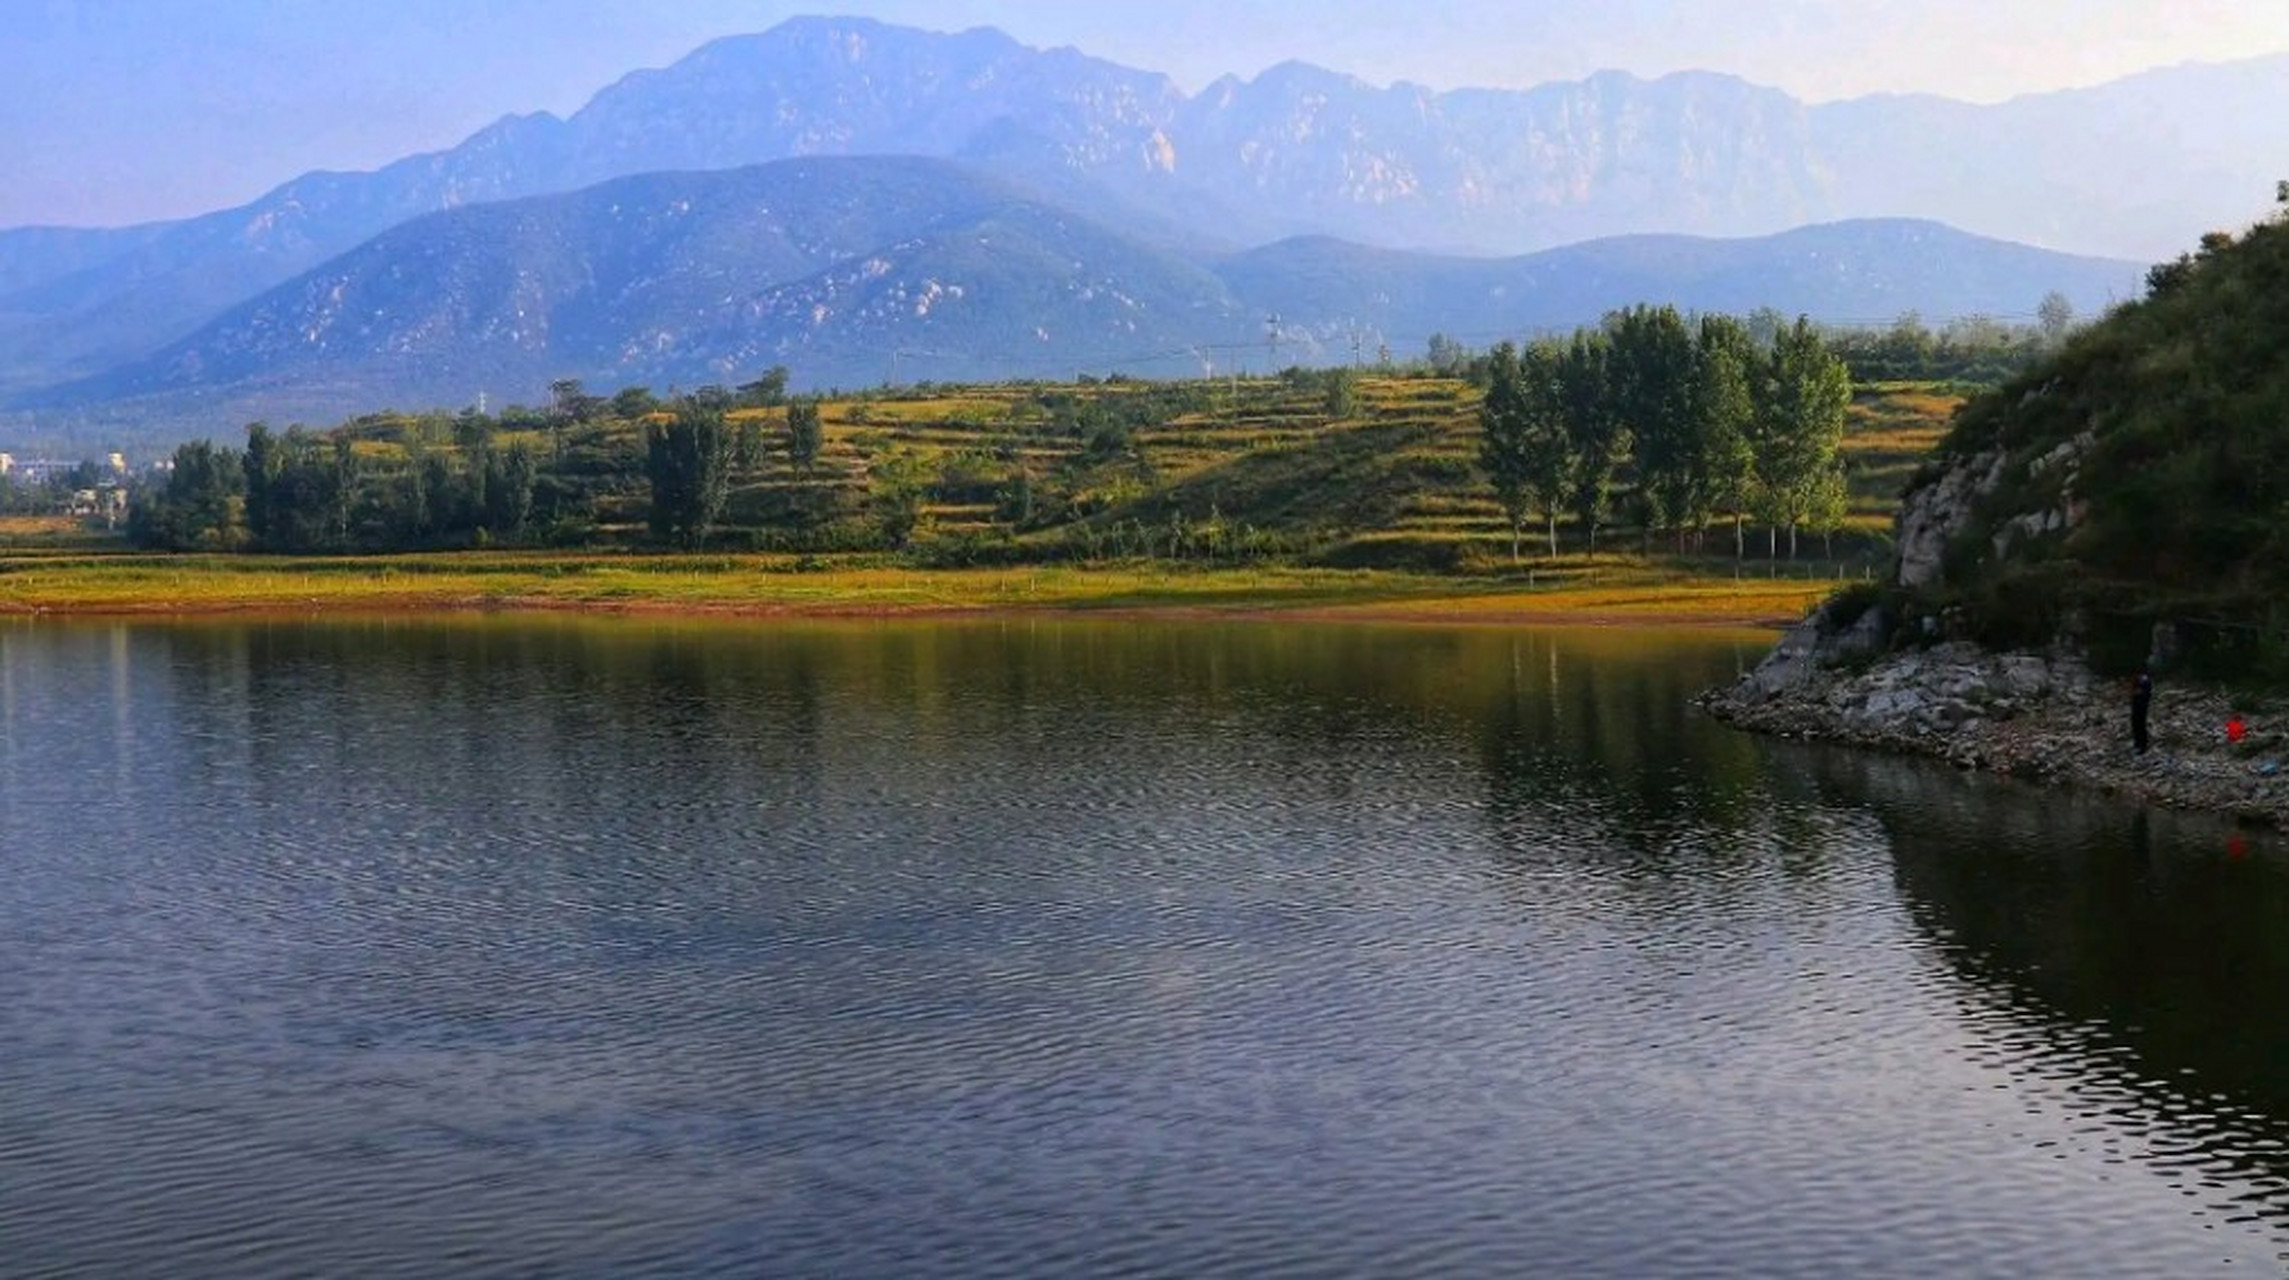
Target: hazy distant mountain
2137,168
1865,271
835,267
851,271
2134,169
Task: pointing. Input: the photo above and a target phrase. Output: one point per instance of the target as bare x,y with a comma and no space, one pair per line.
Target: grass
54,533
1607,589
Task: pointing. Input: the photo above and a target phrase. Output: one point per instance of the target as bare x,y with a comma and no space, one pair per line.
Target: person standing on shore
2141,696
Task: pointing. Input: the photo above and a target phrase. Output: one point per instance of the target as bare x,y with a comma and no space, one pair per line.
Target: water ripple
570,952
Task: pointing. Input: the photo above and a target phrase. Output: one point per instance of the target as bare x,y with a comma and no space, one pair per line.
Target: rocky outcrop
2028,715
1933,514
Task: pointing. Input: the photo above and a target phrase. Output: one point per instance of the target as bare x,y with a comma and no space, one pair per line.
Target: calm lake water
598,948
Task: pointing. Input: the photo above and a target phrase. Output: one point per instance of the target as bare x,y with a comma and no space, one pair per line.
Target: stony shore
2039,716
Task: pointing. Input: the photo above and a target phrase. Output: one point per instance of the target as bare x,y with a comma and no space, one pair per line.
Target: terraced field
1348,470
1893,427
1394,481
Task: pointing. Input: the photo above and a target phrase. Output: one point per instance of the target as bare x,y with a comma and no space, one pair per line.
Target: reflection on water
2130,962
577,947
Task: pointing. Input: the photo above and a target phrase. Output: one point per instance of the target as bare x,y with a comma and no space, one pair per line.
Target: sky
121,111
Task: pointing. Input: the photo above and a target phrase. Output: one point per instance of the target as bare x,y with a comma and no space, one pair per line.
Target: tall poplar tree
1596,439
1725,407
688,460
805,436
1505,452
1808,390
1650,375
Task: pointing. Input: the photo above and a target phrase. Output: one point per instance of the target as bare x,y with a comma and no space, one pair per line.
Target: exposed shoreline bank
717,588
1418,615
2038,716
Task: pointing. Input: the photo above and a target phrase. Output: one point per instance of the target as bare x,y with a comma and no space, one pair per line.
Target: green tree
2056,316
1447,356
1523,446
262,462
765,392
1908,346
472,430
1650,377
1597,442
1342,387
631,403
1724,409
1503,419
899,481
1017,501
1808,391
509,478
301,487
688,461
342,474
409,505
1764,325
1827,502
570,402
805,436
746,443
199,507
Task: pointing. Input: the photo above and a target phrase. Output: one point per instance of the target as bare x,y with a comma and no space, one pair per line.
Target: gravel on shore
2039,716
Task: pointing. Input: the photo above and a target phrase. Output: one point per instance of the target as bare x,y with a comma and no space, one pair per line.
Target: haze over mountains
1101,207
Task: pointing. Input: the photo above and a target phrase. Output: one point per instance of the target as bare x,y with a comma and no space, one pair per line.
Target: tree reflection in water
2134,961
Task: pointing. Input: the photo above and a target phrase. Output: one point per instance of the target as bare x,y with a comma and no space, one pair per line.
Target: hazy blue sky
119,110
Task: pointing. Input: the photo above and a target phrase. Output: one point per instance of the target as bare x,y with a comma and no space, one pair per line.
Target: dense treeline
594,469
388,483
303,491
1972,350
1705,421
1969,351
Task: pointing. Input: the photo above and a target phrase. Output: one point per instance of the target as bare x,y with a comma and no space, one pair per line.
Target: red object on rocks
2235,730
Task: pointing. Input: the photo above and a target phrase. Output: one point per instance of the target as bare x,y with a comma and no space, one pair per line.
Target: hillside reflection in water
579,947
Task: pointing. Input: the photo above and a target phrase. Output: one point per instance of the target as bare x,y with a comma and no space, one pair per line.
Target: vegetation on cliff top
2159,437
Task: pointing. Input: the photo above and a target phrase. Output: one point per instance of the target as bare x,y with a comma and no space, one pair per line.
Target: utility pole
1272,340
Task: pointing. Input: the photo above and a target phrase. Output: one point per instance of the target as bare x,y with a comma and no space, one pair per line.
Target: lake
525,946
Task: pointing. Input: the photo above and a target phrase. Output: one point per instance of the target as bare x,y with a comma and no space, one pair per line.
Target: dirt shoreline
1472,613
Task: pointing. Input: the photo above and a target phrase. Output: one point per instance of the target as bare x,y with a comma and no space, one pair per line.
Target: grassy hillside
2142,473
1349,469
1320,468
1893,430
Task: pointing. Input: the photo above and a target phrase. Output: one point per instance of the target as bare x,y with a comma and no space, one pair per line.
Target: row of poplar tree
302,491
1697,417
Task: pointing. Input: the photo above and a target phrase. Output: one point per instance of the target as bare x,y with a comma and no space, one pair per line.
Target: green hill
2138,477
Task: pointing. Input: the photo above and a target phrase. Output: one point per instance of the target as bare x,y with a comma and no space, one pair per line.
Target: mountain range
1166,198
857,270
